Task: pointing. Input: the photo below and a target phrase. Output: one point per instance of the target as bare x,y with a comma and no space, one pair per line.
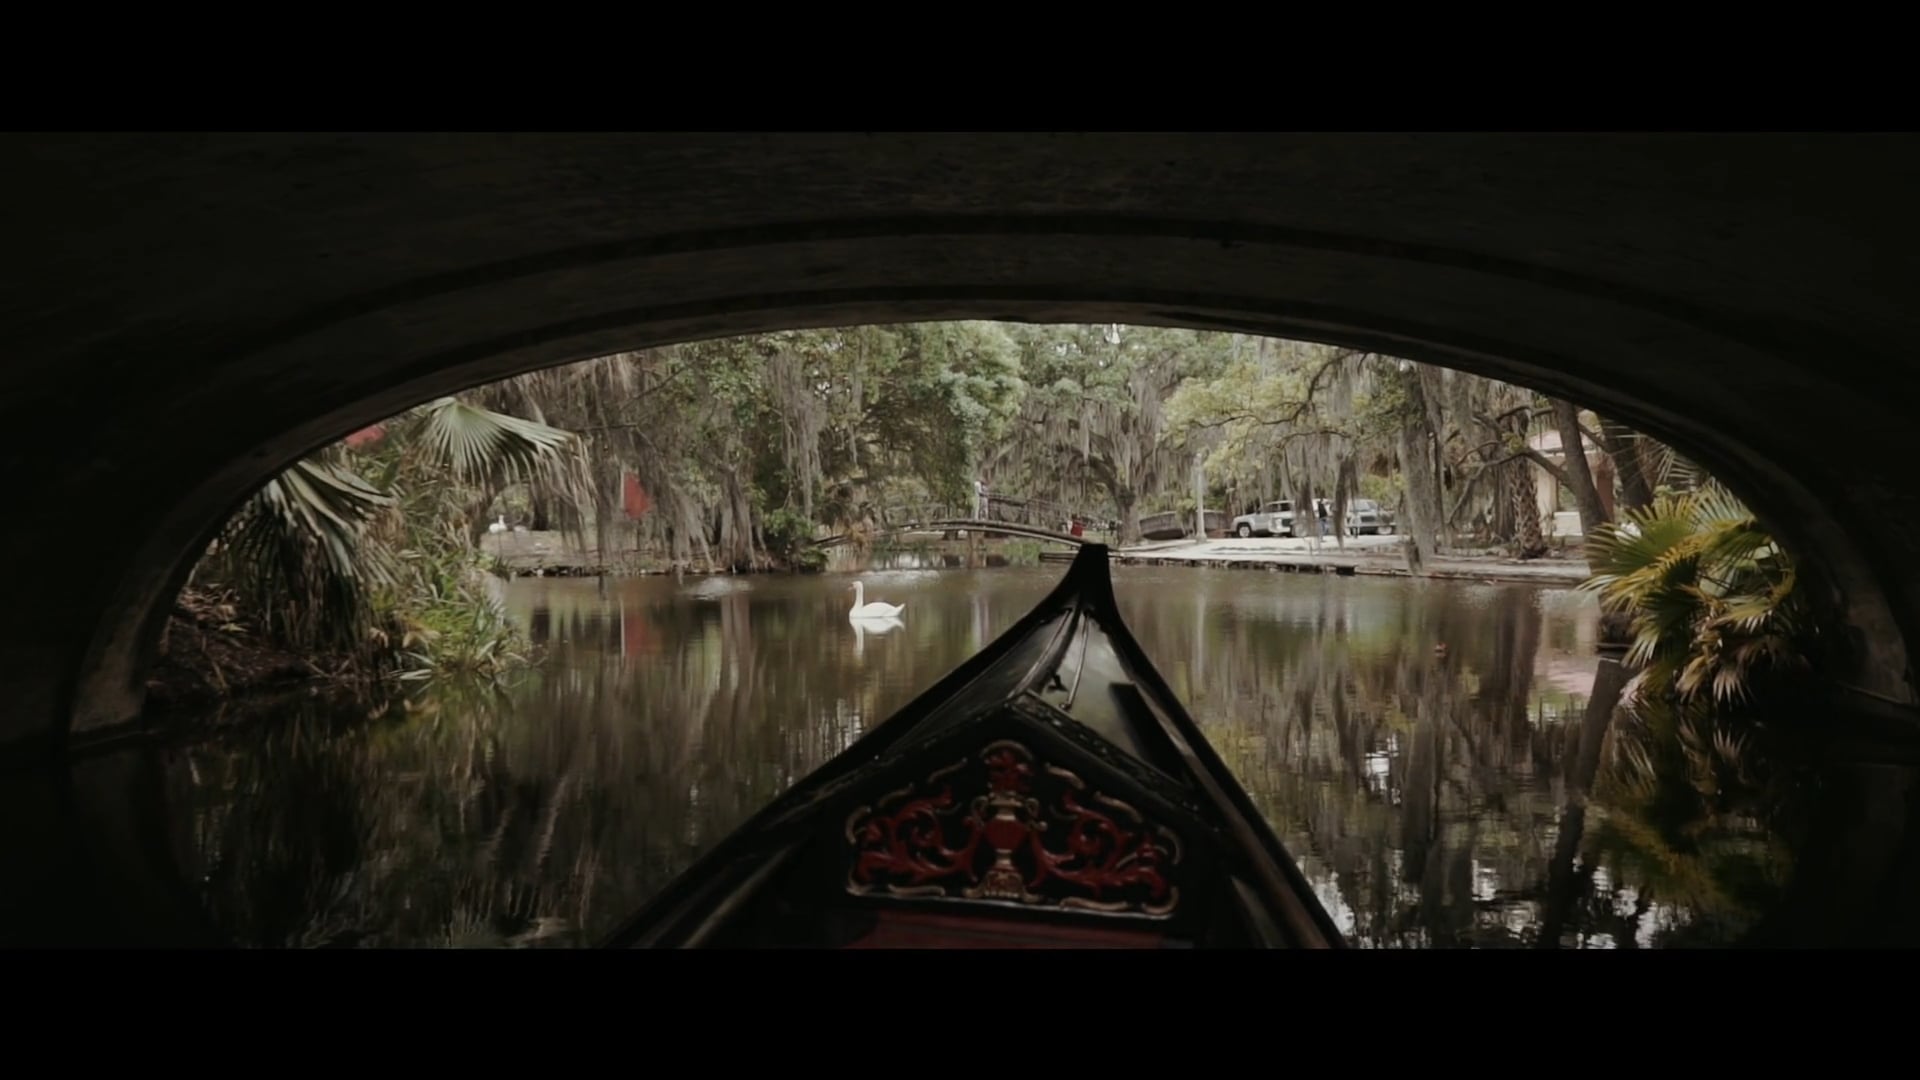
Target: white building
1559,513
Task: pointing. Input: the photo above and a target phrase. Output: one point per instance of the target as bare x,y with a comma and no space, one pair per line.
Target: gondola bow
1051,791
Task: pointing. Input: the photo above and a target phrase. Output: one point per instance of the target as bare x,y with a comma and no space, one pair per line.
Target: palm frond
488,451
302,553
479,445
1647,536
1669,469
1715,505
1714,610
334,507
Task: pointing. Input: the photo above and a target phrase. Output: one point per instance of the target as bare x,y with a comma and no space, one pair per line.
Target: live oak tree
1093,425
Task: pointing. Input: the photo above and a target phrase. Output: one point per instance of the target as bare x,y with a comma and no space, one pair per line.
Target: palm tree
326,556
1717,628
302,555
1710,593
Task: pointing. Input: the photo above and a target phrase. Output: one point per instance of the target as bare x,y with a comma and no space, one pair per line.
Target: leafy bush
1722,641
788,535
1711,596
371,553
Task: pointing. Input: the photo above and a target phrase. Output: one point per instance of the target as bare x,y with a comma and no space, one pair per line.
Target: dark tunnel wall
188,313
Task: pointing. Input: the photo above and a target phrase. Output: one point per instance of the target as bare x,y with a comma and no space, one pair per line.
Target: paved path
1381,555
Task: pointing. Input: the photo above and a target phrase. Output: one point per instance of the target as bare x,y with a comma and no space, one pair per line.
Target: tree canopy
735,453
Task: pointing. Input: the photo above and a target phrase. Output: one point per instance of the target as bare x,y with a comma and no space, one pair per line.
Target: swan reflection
864,625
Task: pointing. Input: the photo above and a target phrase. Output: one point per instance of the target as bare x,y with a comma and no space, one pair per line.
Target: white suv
1273,519
1366,516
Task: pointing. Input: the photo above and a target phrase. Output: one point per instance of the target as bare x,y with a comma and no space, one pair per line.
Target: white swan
876,610
498,526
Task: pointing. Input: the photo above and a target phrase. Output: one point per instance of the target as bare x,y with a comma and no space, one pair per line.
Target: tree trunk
1527,539
1604,478
736,522
1416,439
1501,526
1345,484
1623,447
743,514
1430,393
1420,494
1573,449
1129,516
1608,684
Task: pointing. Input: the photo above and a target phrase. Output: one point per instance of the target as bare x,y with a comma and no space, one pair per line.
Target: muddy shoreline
211,656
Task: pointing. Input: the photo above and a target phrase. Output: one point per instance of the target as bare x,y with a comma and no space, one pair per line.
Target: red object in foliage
1079,528
367,436
637,501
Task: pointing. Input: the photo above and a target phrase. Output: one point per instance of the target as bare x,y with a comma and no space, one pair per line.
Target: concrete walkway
1381,555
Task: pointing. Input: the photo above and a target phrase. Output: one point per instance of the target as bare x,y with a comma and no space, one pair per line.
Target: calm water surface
1411,742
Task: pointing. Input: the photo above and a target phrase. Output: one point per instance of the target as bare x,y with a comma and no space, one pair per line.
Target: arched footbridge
993,515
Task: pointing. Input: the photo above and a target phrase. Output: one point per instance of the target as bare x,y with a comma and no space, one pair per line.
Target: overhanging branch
1552,467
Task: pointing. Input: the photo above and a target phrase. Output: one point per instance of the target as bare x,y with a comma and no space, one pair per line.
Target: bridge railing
901,517
1033,513
1038,513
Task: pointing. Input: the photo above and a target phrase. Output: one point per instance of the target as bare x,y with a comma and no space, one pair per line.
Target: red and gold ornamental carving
1035,835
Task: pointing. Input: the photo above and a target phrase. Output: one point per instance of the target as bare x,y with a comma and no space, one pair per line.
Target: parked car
1364,516
1273,519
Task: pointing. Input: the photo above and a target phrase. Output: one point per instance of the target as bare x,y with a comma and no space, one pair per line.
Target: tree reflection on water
1443,760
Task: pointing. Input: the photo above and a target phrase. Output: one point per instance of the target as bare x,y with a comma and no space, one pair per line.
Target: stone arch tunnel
186,314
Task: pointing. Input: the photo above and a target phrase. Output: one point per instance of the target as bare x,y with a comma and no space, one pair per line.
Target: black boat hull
1051,791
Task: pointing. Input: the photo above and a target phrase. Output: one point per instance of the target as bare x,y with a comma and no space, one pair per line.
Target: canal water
1417,745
